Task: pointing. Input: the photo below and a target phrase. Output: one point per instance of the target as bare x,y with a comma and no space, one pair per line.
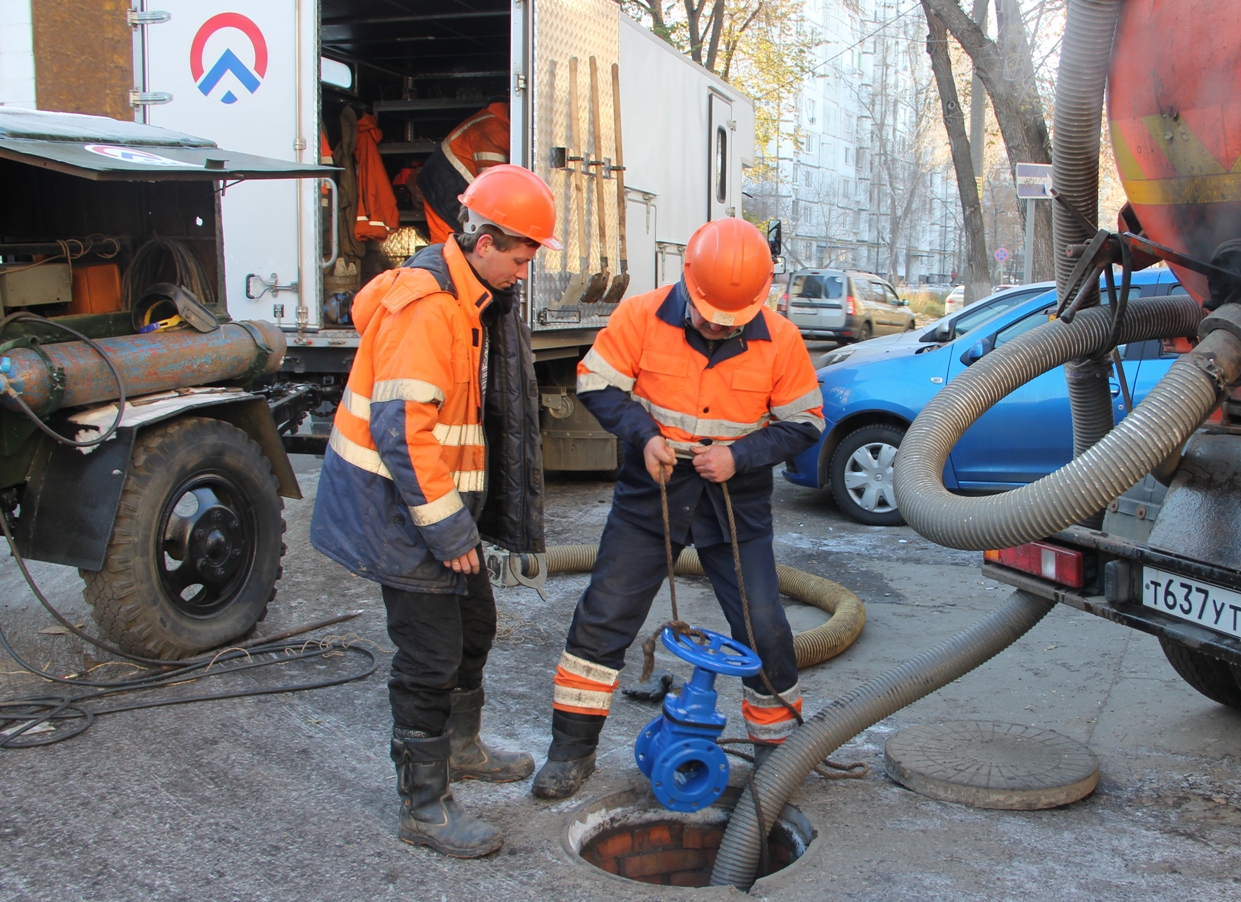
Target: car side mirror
775,234
904,302
976,352
943,332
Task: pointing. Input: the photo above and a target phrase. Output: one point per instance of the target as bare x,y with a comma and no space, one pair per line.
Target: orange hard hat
514,200
728,271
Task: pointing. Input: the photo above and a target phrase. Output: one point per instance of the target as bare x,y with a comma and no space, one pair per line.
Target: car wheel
911,325
861,475
1216,679
864,333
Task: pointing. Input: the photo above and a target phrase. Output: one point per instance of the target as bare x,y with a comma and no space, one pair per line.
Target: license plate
1188,599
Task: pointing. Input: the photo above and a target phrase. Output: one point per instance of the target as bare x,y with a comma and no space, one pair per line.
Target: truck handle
332,189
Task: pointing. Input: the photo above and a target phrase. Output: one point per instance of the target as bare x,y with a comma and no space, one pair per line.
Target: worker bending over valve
442,394
706,386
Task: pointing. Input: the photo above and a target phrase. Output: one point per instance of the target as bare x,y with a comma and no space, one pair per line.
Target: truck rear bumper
1120,565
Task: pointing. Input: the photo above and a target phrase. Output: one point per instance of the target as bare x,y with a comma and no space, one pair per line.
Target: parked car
955,300
870,402
835,305
944,329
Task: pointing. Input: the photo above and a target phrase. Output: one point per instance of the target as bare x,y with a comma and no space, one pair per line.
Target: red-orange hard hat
515,200
728,271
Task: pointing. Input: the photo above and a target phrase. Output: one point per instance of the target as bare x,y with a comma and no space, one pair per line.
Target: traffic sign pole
1027,273
1033,183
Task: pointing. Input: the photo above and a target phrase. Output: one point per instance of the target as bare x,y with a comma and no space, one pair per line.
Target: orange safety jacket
478,143
377,213
404,475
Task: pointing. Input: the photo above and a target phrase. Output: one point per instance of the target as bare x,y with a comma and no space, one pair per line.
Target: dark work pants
441,643
630,568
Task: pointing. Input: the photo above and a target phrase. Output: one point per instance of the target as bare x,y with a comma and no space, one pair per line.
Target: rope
679,626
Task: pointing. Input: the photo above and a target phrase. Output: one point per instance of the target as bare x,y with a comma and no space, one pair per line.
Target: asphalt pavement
291,796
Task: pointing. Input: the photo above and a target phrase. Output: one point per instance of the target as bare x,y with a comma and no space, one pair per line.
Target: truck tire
861,474
195,550
1216,679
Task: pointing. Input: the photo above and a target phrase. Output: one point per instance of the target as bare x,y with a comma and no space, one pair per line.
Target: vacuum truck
131,444
1141,527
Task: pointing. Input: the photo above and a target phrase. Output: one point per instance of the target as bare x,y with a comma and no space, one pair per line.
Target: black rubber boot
430,816
473,759
571,758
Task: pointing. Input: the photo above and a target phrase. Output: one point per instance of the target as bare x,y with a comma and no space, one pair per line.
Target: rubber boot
571,757
430,816
473,759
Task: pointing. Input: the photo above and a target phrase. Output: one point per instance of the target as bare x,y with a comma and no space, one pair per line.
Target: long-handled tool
620,282
598,281
577,283
590,285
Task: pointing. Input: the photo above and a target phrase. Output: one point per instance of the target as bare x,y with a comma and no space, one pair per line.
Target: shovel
599,281
577,283
590,285
620,283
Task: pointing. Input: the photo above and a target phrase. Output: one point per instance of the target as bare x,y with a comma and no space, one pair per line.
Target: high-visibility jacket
377,213
404,476
478,143
650,373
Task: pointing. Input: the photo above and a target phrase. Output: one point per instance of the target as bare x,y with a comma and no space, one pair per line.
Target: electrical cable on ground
20,716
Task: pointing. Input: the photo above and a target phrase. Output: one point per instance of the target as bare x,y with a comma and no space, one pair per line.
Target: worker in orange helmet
403,494
705,386
474,146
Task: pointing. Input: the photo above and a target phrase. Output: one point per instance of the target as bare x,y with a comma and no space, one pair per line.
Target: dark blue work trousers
630,568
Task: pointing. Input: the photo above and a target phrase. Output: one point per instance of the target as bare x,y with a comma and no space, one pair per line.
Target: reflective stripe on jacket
404,475
474,145
649,373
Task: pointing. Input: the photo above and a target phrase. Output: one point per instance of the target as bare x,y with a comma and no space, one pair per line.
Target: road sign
1034,181
1001,254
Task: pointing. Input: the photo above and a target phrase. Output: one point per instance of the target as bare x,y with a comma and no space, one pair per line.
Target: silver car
836,305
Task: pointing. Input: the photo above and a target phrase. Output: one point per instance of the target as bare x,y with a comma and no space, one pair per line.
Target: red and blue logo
228,62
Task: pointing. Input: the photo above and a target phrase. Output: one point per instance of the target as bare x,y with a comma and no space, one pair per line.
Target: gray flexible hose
865,706
1080,81
1161,423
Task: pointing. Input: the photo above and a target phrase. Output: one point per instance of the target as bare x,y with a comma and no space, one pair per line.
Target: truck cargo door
723,190
245,75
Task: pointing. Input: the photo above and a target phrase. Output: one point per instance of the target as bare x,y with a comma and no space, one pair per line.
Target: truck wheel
196,547
861,475
1215,679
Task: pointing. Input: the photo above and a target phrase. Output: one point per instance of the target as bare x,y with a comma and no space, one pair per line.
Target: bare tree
977,268
1007,71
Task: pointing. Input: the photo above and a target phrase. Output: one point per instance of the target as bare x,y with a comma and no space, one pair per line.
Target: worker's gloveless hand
467,563
657,454
714,463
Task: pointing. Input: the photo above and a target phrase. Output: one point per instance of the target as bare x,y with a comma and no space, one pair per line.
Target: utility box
27,285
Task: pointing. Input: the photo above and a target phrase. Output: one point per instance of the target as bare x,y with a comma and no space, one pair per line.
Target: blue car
869,400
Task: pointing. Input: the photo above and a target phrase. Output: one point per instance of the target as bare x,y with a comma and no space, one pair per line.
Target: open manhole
629,836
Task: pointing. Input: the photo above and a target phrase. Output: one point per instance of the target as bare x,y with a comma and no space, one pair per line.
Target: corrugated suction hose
848,615
1154,429
849,715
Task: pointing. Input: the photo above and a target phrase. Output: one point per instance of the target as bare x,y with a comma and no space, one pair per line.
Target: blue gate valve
678,751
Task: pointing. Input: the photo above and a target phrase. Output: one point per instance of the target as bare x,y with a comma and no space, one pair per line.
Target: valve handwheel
718,654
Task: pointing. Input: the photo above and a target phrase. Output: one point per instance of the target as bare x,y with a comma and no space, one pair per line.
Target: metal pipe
158,361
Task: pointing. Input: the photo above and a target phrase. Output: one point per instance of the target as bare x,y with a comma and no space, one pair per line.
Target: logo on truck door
230,54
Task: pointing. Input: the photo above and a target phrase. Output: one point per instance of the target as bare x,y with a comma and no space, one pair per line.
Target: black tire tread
123,619
1217,680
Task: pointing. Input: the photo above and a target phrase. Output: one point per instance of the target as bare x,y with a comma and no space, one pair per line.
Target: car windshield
815,286
980,315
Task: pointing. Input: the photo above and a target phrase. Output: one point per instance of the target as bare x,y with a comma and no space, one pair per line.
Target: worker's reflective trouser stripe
582,687
765,716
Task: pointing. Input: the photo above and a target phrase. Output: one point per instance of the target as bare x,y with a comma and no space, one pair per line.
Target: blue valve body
678,751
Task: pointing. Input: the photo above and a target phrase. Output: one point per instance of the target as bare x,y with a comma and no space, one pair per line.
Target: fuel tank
1174,110
157,361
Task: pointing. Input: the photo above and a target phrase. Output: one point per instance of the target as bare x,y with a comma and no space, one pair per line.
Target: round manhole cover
991,765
